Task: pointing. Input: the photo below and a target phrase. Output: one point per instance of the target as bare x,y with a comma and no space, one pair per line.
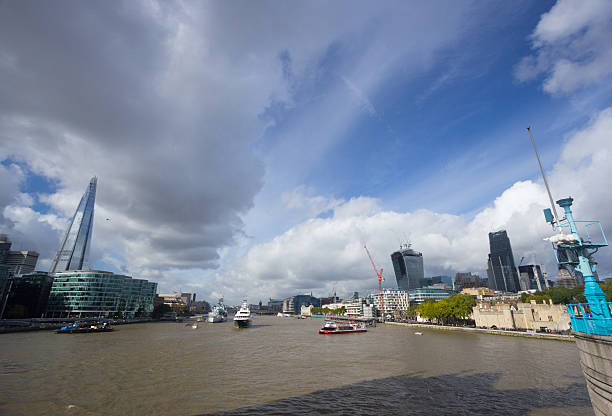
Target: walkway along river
283,366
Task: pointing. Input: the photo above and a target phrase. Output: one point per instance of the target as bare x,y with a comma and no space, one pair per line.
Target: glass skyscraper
73,252
408,267
501,269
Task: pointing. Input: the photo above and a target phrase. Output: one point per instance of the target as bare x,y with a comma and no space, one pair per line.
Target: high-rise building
408,267
531,277
16,262
501,269
73,252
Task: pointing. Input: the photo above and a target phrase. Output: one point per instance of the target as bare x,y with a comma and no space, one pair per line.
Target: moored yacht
242,319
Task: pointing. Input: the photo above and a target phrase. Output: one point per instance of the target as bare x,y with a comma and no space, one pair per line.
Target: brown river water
283,366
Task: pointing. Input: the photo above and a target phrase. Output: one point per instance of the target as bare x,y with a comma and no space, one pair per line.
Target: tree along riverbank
558,337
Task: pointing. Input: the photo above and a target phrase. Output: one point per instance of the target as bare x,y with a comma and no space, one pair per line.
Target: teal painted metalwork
594,317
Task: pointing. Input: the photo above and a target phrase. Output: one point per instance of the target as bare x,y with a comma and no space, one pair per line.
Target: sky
251,149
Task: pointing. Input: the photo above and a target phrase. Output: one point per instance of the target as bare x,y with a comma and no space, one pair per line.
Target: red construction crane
380,280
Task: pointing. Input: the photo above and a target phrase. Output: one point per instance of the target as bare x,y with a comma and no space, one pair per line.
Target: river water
282,366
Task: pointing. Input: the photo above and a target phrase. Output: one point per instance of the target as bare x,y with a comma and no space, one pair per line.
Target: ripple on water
283,366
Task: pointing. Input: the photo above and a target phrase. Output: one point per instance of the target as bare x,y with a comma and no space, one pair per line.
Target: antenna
552,204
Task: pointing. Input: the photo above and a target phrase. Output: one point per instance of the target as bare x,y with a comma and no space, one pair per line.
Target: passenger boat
341,328
76,329
242,319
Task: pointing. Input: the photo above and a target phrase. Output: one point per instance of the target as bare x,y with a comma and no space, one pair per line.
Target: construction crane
380,280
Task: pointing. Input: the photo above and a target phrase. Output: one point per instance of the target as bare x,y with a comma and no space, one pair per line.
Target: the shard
72,253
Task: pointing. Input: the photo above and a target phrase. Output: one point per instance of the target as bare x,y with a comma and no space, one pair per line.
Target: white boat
418,333
242,319
194,326
331,327
218,313
282,315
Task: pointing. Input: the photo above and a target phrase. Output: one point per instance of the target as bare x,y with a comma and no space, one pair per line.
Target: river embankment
45,324
537,335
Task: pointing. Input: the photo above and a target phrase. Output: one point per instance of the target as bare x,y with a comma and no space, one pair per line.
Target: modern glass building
408,267
73,252
99,294
501,268
421,295
28,295
531,277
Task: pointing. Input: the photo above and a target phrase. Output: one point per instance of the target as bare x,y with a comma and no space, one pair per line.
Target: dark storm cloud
133,94
165,103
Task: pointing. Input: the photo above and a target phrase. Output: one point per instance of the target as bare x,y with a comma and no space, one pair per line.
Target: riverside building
99,294
392,300
294,304
408,267
26,296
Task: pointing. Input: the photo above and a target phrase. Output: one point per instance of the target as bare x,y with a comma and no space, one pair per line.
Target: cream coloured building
523,316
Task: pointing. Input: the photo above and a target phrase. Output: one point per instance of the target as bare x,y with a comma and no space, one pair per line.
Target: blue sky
253,154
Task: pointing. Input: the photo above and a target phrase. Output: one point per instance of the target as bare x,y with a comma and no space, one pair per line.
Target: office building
99,294
408,267
180,303
429,293
275,305
501,268
73,251
294,303
531,277
27,296
17,262
467,280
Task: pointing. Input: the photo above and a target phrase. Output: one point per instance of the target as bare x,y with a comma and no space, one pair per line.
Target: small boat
194,326
242,319
418,333
341,328
77,329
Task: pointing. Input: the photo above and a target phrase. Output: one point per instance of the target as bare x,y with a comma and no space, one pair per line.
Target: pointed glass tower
72,253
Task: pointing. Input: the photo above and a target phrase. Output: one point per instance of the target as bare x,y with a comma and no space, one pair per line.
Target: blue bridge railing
585,319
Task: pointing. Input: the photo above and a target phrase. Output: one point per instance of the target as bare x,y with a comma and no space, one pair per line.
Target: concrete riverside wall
595,353
557,337
522,316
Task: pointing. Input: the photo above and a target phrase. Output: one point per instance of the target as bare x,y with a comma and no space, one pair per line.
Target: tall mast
552,203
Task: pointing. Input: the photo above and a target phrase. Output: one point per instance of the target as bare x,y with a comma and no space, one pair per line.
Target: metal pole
552,204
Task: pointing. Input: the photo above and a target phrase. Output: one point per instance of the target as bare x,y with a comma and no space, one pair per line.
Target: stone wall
522,316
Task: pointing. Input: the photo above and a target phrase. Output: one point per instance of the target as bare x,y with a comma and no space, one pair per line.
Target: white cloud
571,44
321,254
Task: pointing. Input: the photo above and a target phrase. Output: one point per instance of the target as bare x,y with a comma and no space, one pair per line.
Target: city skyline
250,157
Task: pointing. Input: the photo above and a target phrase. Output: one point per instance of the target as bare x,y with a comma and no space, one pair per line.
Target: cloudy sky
251,149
